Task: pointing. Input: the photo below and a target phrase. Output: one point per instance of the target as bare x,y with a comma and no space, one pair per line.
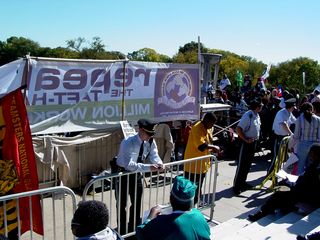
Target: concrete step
225,228
307,224
317,229
274,228
251,228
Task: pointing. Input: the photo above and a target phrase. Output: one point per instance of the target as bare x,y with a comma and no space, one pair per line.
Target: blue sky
271,31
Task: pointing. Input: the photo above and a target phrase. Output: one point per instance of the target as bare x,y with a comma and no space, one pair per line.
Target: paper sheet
165,210
289,177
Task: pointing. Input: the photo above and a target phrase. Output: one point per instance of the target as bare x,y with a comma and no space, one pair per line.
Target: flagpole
304,81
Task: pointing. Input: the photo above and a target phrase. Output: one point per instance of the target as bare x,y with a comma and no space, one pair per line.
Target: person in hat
185,222
131,157
90,221
281,126
248,130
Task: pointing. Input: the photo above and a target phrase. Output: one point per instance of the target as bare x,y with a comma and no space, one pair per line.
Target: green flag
239,79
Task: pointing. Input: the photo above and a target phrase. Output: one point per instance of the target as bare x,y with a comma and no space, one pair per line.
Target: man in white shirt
281,126
131,157
224,83
248,130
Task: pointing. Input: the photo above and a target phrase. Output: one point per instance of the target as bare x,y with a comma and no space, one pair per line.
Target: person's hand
214,148
160,167
154,212
250,140
156,167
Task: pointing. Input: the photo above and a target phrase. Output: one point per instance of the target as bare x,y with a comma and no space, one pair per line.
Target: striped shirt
305,131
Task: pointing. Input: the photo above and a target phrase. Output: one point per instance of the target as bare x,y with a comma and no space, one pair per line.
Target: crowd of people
281,113
264,118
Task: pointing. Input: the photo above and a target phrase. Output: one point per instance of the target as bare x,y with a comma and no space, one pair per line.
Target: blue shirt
129,152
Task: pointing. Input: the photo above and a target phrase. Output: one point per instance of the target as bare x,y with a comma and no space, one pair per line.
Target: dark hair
306,106
315,148
176,205
256,102
209,117
90,217
316,106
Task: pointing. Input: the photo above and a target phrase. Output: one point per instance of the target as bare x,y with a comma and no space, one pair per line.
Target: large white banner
77,96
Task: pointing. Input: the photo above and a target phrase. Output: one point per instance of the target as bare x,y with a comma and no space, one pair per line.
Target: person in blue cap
185,222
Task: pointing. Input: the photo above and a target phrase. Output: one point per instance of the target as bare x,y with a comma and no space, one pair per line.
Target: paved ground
227,204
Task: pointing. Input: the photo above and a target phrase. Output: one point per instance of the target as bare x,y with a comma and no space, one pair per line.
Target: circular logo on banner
176,89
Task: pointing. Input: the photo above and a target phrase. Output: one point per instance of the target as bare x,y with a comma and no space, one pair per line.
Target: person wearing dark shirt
185,222
305,190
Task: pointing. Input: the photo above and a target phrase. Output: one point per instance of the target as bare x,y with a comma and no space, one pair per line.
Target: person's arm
286,128
242,136
128,156
154,157
141,232
211,147
295,137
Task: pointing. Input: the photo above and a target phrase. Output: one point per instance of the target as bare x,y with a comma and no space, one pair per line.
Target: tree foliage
148,55
288,74
16,47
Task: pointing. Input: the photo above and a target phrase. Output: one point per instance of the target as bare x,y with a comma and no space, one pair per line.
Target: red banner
17,146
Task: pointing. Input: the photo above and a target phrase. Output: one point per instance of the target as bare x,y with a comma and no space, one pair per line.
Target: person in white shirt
131,157
307,132
281,126
224,83
248,130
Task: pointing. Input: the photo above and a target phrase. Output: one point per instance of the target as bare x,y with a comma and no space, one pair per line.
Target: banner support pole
123,89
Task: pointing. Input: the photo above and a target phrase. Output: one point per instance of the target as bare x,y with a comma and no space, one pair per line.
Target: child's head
314,153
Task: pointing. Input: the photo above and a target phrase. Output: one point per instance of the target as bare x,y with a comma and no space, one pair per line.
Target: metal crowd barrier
47,177
57,207
156,190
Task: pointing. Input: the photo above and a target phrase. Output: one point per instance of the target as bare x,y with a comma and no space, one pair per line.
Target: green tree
148,55
97,45
16,47
76,44
289,74
188,53
192,47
